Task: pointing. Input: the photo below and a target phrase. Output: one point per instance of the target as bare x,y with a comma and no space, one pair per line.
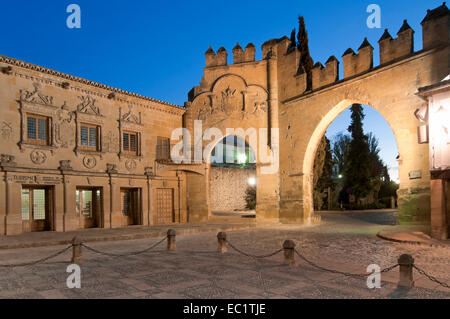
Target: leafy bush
250,197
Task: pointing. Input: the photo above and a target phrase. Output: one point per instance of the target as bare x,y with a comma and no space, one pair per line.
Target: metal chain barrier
253,256
347,274
42,260
124,255
432,278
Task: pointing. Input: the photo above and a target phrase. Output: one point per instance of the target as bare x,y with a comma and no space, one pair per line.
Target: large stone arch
390,91
315,138
232,103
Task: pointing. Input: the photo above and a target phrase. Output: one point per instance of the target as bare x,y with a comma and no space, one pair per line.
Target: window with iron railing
163,149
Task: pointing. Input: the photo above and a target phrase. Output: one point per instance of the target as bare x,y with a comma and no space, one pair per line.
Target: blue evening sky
156,48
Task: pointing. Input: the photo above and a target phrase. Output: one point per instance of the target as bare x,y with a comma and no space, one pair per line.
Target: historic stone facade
78,154
271,94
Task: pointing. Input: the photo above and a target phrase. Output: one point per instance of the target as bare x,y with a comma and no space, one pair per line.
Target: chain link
253,256
347,274
432,278
38,261
125,255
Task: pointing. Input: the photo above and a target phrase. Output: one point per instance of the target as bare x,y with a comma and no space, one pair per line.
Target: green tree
358,170
341,148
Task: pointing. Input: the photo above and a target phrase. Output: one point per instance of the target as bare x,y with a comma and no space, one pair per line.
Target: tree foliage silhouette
306,62
357,178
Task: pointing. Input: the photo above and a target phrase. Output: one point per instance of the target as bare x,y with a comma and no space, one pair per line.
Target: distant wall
228,186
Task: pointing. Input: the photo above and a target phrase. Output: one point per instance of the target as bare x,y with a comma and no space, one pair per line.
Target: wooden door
130,206
35,209
165,207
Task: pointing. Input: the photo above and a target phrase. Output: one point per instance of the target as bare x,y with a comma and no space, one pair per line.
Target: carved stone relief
88,106
38,157
89,162
36,96
6,130
130,165
231,98
131,117
64,136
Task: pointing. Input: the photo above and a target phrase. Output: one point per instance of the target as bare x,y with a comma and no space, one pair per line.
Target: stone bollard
171,240
289,252
76,250
222,239
406,263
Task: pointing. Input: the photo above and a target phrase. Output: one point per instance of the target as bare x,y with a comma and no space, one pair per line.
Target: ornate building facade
77,154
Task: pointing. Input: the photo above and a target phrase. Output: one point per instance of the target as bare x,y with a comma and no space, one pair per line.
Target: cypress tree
293,43
306,62
358,171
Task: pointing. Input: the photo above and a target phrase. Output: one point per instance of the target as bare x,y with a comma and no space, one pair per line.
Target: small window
37,129
89,137
130,142
163,149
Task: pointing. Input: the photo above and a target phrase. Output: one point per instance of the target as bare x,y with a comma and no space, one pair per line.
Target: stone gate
270,94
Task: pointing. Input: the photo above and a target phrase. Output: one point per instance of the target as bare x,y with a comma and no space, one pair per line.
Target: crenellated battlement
392,49
219,59
322,76
358,63
292,82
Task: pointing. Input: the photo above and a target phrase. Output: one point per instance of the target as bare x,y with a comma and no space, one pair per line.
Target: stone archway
314,142
231,106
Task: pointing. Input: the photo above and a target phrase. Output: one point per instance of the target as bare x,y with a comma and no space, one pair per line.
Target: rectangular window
37,129
25,204
89,137
130,143
163,149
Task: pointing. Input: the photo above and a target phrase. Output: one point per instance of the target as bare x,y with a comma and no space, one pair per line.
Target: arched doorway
232,178
367,181
413,196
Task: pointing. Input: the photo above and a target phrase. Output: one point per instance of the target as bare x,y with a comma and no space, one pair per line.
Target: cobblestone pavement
344,241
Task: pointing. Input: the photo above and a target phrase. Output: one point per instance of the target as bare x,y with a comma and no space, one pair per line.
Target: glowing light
340,176
252,181
242,158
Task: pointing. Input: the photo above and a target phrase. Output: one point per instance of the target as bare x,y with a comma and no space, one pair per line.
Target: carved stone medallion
130,165
38,157
89,162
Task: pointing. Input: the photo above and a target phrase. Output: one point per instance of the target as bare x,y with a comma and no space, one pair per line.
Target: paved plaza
344,241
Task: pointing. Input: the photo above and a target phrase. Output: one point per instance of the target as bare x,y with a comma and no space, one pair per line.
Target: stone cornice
26,65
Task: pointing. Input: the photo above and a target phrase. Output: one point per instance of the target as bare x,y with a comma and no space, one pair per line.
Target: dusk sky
156,48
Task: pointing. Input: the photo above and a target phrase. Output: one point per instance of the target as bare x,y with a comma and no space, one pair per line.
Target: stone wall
228,186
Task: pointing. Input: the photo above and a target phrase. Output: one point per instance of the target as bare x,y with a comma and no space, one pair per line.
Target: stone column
13,206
